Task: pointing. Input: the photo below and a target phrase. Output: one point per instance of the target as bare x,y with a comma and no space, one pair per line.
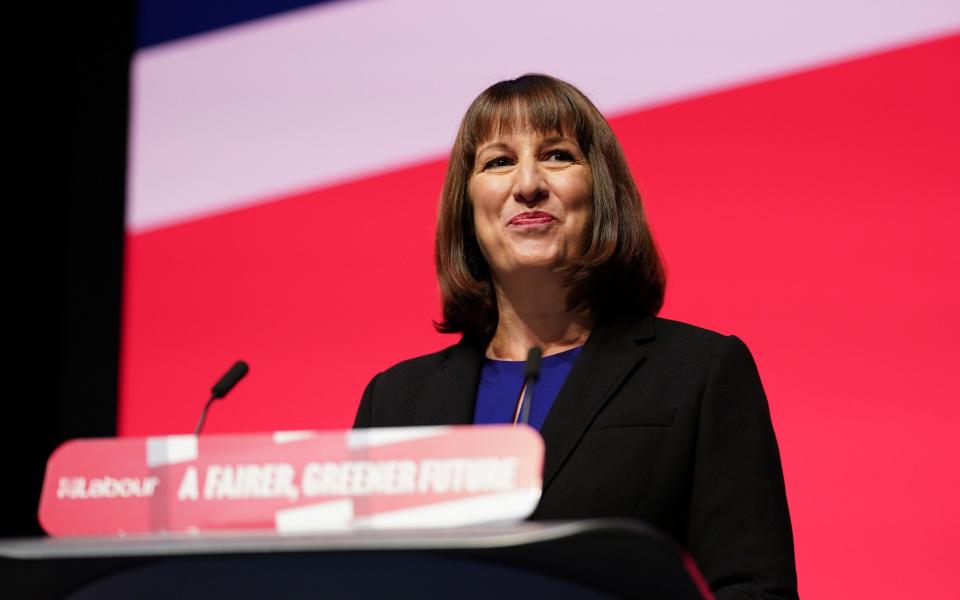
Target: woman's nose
529,187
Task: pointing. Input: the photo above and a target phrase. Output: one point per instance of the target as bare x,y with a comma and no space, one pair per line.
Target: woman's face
531,195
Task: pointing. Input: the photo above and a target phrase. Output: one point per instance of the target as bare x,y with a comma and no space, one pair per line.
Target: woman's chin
535,262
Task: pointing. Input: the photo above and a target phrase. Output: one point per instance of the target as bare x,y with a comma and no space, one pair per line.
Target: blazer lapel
455,395
611,353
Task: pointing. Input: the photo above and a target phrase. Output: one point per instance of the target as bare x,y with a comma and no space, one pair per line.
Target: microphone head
531,370
230,379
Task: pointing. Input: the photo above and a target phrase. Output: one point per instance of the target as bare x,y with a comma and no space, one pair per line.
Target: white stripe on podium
368,438
171,449
336,515
476,510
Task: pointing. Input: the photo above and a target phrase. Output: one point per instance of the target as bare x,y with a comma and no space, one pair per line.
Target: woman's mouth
535,217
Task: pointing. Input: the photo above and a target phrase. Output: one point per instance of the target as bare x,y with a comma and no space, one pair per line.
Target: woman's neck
533,311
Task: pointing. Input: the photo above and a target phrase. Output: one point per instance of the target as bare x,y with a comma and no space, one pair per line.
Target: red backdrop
813,215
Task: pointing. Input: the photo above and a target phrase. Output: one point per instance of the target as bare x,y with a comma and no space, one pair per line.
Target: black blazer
659,421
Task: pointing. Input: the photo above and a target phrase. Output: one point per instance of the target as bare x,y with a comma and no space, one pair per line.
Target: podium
601,558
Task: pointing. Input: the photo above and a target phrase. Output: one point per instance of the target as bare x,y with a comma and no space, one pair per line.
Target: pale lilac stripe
342,90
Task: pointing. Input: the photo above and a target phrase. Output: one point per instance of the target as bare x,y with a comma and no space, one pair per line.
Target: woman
542,241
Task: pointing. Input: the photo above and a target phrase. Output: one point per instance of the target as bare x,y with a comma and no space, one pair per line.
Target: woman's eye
560,156
500,161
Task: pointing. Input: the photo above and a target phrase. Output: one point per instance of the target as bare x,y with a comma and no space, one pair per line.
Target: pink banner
294,481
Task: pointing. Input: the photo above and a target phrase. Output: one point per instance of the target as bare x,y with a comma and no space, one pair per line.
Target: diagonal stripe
330,93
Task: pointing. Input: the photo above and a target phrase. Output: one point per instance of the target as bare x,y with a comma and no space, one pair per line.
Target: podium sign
294,481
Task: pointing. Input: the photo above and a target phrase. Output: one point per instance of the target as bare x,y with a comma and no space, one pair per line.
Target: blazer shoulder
397,389
418,367
695,346
669,328
670,332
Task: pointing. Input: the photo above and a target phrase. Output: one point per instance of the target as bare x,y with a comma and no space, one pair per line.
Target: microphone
531,373
222,388
230,379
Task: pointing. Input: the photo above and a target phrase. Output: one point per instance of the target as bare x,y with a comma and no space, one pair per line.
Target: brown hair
620,271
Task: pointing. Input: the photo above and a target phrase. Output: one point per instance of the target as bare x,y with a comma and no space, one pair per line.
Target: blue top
501,380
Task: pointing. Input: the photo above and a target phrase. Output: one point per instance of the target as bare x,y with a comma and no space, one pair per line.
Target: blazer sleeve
739,524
